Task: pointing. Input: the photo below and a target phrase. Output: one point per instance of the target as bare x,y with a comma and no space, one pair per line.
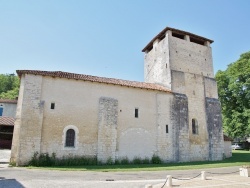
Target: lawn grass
239,158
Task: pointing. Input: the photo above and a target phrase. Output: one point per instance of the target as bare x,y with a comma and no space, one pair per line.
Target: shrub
110,161
44,159
146,161
117,162
156,159
34,159
124,161
137,160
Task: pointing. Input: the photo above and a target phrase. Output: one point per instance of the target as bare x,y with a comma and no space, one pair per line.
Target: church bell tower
182,62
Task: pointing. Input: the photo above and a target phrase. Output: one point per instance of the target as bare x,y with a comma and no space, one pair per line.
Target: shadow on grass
239,158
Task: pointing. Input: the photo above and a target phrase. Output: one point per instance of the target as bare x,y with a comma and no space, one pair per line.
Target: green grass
239,158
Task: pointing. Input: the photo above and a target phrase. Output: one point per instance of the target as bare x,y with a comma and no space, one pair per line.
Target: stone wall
180,129
210,88
165,127
107,129
190,57
102,115
214,126
157,64
29,120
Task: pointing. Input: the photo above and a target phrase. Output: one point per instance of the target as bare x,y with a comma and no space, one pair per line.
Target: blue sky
105,37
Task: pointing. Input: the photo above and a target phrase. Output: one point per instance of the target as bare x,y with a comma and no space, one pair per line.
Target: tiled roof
60,74
226,138
4,120
162,34
8,101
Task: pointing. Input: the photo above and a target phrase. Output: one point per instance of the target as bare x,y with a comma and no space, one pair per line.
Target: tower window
52,105
136,113
180,36
194,126
166,128
197,41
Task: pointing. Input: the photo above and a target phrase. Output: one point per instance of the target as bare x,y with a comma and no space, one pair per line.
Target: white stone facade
114,118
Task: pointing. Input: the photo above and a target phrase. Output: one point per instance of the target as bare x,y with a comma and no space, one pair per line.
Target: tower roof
163,32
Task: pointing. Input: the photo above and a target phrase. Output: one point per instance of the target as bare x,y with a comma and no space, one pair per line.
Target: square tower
182,62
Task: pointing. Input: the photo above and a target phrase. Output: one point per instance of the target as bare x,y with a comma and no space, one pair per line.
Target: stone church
175,114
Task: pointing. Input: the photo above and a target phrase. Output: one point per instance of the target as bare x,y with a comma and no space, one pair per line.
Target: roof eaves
83,77
176,31
8,101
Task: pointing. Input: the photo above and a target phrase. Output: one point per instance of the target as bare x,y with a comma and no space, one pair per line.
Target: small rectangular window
166,128
136,113
52,106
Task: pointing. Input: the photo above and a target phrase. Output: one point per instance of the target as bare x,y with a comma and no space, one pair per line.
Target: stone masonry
107,129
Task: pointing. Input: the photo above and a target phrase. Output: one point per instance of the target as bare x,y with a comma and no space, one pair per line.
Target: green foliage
117,162
44,159
156,159
125,161
146,161
239,158
137,160
234,95
9,86
110,161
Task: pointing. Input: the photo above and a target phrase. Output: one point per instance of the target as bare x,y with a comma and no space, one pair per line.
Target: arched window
194,126
70,138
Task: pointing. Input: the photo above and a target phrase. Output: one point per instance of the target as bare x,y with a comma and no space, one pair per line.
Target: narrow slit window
194,126
166,128
136,113
52,105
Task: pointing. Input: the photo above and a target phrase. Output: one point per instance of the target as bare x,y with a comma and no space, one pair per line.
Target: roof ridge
84,77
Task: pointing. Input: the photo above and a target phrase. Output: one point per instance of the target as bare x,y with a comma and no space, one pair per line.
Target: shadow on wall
8,183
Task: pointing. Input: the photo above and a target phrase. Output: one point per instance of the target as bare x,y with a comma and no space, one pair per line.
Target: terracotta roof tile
84,77
8,101
4,120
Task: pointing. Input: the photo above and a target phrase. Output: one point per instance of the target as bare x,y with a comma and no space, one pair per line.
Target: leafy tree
234,95
9,86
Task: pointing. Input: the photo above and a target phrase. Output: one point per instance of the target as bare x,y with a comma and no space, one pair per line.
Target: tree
234,95
9,86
